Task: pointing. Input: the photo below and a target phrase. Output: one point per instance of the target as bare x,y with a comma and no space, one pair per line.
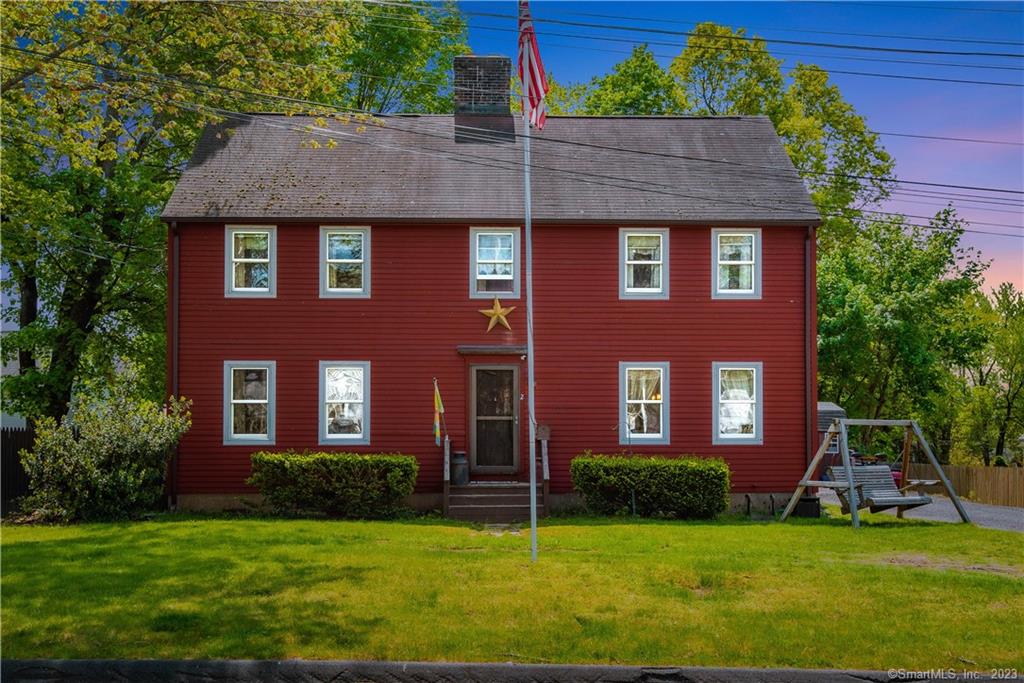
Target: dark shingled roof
410,168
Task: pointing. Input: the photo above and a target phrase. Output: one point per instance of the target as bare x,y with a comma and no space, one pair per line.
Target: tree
975,431
722,71
561,100
1007,354
402,57
102,104
890,315
636,86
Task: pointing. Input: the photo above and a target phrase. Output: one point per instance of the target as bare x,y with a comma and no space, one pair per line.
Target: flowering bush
106,459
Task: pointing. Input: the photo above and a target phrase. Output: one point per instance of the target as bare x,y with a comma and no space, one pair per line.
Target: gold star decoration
497,314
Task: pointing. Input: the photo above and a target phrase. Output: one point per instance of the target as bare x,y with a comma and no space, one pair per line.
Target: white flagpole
531,404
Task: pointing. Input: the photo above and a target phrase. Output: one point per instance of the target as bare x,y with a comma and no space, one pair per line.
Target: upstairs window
736,264
643,264
643,403
738,403
250,256
344,402
249,402
344,262
494,262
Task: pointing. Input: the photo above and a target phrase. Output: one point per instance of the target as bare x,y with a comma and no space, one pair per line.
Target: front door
494,419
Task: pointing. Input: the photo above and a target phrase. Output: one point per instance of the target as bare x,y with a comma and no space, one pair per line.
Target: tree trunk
28,311
75,320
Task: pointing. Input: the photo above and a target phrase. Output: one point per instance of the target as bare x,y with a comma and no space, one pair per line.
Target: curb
303,671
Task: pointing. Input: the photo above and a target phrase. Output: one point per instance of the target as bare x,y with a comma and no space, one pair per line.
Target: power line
873,74
949,139
297,101
395,17
486,90
915,6
500,164
632,41
932,39
691,34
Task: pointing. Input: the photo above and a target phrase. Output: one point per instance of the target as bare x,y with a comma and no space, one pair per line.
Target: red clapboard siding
420,312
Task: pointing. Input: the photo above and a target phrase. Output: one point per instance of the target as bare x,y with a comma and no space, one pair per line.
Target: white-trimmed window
738,403
643,264
250,261
736,264
344,262
249,402
643,403
344,402
494,262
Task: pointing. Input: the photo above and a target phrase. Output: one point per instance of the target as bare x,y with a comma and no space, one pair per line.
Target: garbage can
460,469
808,506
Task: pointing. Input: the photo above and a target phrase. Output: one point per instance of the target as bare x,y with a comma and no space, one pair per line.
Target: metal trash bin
460,469
808,506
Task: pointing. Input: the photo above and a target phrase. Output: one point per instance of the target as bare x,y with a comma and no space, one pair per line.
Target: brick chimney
482,112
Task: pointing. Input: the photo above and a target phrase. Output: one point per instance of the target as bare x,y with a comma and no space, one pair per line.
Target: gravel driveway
942,510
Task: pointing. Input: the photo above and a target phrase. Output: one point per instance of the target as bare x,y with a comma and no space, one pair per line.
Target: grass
806,594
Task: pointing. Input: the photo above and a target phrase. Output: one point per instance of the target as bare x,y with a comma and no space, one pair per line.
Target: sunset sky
892,105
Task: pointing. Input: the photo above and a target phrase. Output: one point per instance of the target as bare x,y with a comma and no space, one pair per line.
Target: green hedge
687,488
352,485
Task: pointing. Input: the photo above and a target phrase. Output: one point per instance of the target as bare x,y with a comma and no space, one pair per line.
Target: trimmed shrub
686,488
106,460
351,485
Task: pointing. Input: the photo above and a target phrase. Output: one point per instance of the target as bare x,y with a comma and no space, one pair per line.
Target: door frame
492,469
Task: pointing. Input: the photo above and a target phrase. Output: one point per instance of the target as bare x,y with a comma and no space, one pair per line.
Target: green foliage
686,488
349,485
636,86
723,71
975,430
402,56
889,304
561,100
991,411
108,459
93,142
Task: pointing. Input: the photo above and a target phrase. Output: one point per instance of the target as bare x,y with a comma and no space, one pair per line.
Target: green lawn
738,593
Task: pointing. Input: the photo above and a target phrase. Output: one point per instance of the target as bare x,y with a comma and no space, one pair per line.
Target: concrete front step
490,499
493,502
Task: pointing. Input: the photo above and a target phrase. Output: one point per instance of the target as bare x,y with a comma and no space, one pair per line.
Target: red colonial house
317,290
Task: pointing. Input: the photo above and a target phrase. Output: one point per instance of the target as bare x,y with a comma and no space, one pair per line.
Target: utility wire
691,34
487,90
915,6
814,31
320,105
632,41
405,19
949,139
645,186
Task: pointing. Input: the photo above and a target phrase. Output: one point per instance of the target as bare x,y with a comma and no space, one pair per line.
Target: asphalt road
942,510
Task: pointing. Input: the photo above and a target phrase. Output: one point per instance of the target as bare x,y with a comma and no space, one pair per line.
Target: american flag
531,69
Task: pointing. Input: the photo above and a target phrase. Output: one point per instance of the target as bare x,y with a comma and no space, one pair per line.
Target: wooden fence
992,485
13,480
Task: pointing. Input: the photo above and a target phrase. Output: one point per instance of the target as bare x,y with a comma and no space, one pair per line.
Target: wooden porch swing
867,486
